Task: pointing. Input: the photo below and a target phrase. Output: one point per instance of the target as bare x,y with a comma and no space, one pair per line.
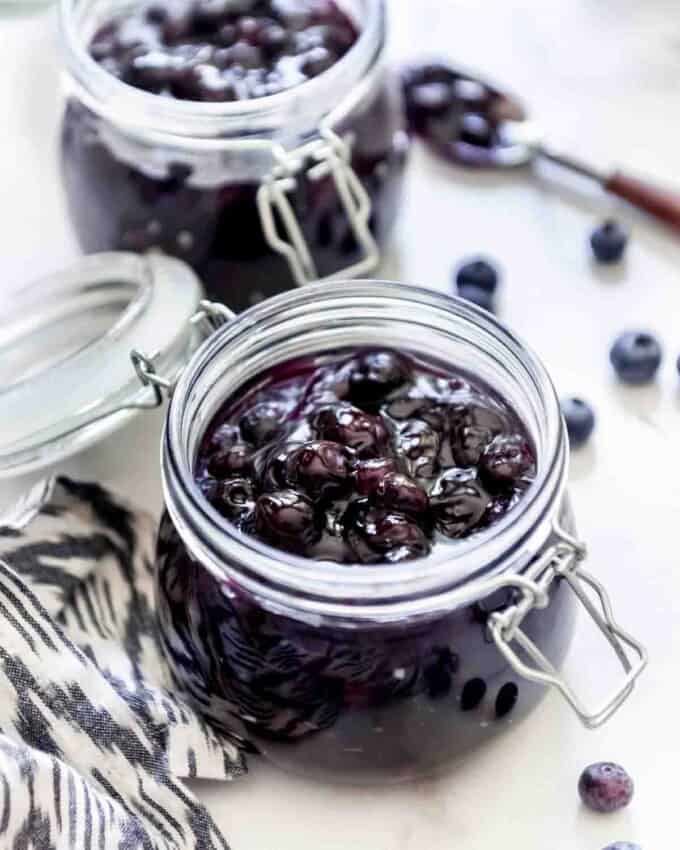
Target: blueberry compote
222,50
128,190
367,458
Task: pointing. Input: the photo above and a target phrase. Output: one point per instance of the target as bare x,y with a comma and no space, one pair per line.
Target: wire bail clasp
564,561
208,318
327,155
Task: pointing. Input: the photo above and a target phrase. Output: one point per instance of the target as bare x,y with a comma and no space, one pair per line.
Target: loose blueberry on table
605,787
201,207
368,457
636,356
580,420
372,457
609,241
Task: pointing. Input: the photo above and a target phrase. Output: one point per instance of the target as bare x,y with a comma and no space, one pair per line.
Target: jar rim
150,114
415,587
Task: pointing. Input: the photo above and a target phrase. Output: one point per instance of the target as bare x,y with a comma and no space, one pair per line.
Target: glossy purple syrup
367,457
363,700
125,194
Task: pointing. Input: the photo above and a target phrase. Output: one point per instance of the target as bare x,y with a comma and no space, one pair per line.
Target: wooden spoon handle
661,203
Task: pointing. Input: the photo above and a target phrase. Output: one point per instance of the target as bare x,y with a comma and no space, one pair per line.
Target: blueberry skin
478,273
622,845
609,241
580,419
605,787
478,296
636,356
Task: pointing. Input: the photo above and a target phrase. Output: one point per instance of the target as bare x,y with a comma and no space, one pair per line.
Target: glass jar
372,673
257,195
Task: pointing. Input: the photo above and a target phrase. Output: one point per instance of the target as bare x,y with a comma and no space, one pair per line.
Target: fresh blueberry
609,242
636,356
506,460
478,273
605,787
458,502
478,296
580,419
287,519
321,469
623,845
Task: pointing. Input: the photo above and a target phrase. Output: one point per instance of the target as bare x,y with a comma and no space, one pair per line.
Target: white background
602,76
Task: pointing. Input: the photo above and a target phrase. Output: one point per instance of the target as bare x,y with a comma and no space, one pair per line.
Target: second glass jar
257,195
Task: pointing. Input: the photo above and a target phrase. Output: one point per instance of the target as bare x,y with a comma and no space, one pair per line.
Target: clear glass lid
66,378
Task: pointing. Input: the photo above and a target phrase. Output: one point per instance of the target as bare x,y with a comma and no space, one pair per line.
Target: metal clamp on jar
257,195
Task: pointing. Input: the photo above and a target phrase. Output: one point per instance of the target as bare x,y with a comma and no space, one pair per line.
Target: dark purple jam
127,192
368,457
222,50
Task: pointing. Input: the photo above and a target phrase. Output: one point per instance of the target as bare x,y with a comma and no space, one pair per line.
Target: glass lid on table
66,380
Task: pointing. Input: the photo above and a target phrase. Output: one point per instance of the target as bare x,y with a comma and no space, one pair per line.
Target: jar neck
326,317
286,118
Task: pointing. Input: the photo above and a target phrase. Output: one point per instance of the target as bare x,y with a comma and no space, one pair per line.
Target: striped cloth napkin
94,739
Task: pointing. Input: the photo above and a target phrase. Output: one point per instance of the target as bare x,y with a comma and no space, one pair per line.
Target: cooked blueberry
351,427
609,242
203,82
370,473
377,535
287,519
438,673
262,423
224,437
417,443
208,486
209,14
580,420
318,60
479,274
374,376
235,499
636,356
321,469
605,787
234,462
506,699
506,460
479,297
399,493
472,695
458,502
476,130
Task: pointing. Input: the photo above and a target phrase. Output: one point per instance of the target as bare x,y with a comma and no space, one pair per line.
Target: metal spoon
472,122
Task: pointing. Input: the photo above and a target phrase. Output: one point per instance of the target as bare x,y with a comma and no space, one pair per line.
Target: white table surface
603,76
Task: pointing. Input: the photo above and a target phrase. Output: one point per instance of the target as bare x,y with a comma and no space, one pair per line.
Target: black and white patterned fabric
94,740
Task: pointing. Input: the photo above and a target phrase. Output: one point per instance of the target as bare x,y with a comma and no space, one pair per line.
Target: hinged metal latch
208,318
563,560
328,154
